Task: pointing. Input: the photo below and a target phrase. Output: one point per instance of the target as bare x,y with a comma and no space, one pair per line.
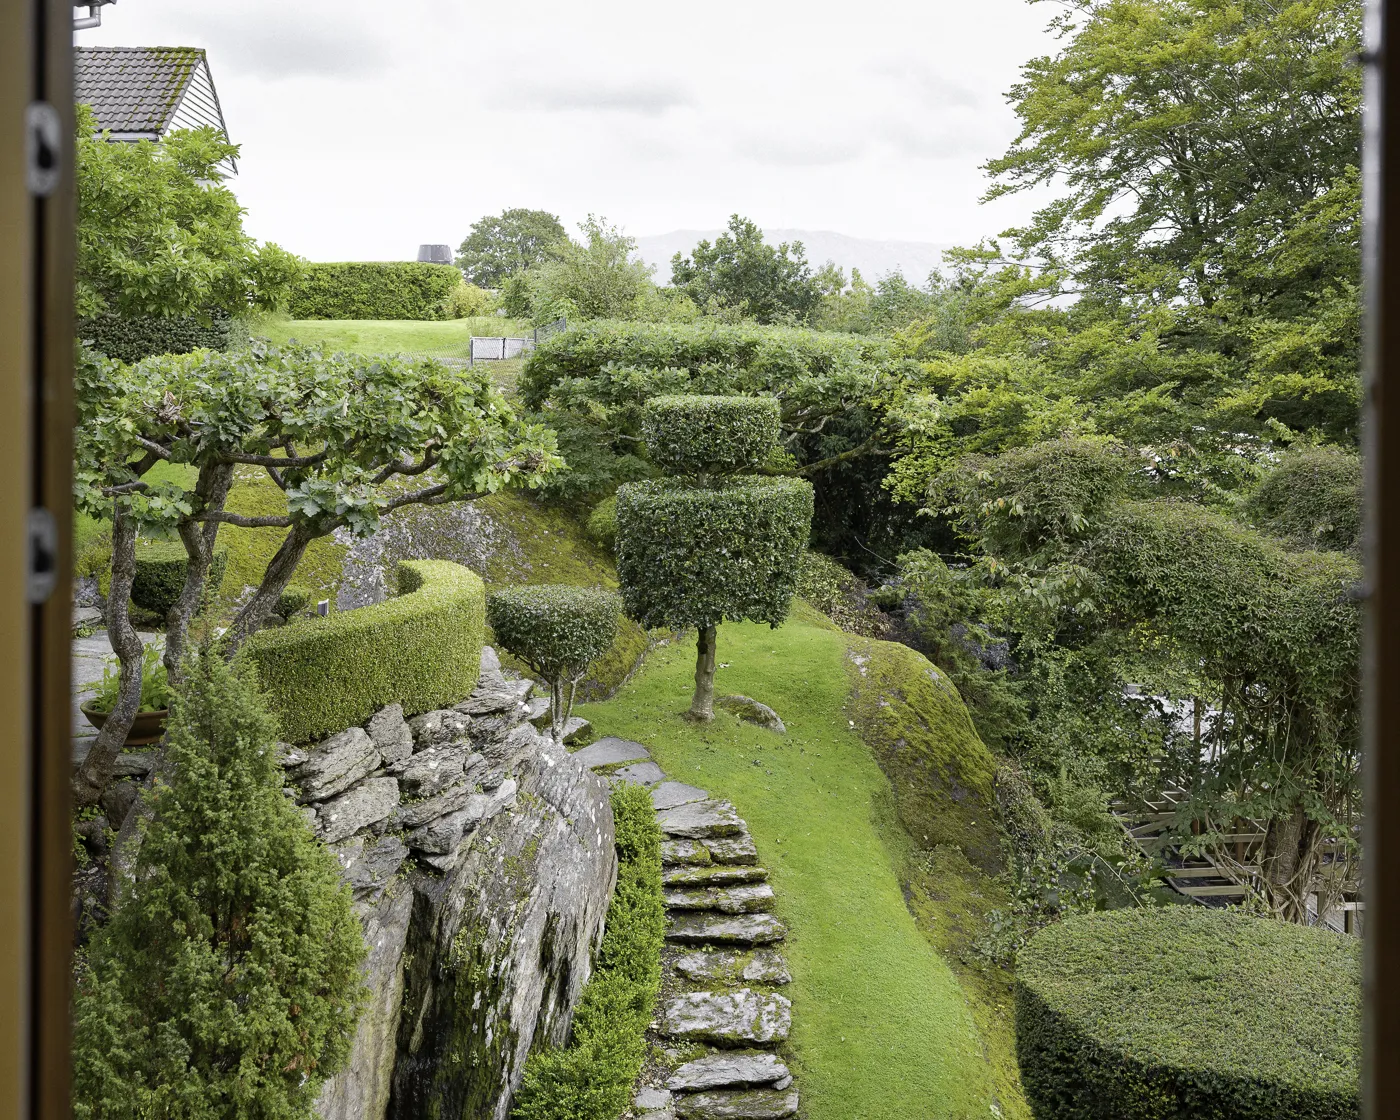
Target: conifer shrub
160,574
1183,1012
697,435
228,981
592,1077
421,649
558,631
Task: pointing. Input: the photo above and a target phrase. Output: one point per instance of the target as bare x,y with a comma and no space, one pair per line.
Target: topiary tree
715,543
558,631
228,981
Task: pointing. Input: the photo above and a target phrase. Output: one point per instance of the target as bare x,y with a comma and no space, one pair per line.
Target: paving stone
391,734
336,764
734,966
683,852
639,774
699,927
712,875
730,1018
750,1104
748,898
728,1070
700,820
609,750
670,794
368,803
651,1099
732,849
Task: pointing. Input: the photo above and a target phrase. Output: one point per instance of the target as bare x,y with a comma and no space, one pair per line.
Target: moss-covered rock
911,716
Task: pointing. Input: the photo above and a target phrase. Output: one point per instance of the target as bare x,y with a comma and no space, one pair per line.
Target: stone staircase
721,1017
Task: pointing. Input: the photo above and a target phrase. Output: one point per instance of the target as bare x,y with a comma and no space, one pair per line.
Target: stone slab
391,734
699,927
368,803
651,1099
335,764
639,774
732,849
728,1070
748,898
431,771
700,820
734,966
683,853
610,750
751,1104
712,875
668,795
727,1018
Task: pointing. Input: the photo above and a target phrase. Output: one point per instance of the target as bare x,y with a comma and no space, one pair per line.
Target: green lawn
449,338
880,1026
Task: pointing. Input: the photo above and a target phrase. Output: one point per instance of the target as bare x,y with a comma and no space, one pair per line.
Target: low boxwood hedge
421,649
592,1077
710,435
160,574
690,555
1184,1012
374,290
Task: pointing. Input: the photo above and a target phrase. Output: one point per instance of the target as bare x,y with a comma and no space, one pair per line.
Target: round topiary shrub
1184,1012
160,574
558,631
699,435
293,600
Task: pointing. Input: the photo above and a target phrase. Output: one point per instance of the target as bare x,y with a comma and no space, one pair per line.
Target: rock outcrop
481,860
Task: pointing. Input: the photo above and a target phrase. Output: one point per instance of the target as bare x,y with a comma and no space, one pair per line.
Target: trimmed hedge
160,574
132,339
1183,1013
690,555
293,600
710,435
556,629
592,1077
421,649
374,290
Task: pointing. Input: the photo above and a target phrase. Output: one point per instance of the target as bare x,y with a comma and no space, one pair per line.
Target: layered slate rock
392,736
368,803
700,928
700,820
335,765
761,966
727,1070
748,898
728,1018
712,875
753,1104
732,849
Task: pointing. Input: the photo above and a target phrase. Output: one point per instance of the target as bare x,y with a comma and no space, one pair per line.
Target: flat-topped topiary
1185,1012
698,435
160,574
558,631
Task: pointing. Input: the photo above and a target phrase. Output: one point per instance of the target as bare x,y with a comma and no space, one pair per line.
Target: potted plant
155,699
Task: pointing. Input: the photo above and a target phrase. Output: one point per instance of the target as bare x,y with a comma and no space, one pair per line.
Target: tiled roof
136,89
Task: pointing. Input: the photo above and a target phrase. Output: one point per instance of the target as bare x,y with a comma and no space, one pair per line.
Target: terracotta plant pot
148,727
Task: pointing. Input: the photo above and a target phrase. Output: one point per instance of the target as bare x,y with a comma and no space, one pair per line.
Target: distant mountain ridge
915,259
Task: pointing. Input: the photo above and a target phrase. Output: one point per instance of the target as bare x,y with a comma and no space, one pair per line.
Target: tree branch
227,518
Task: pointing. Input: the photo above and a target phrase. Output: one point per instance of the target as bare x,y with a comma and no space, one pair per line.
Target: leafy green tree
499,246
599,278
160,235
227,983
741,272
347,440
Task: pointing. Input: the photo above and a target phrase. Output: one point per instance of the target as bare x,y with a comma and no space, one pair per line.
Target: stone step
711,875
750,1104
728,1018
730,1069
670,794
700,820
748,898
733,849
699,928
639,774
609,750
684,853
733,966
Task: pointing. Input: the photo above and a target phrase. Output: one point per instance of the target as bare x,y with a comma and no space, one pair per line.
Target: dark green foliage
742,274
1183,1013
592,1077
293,600
1312,498
131,338
557,630
500,246
710,435
421,649
374,290
602,523
691,555
227,984
160,574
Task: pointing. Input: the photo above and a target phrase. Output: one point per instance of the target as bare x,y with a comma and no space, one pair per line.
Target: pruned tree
346,439
558,631
719,542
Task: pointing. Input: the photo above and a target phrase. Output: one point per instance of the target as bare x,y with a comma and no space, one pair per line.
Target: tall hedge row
1184,1012
132,339
374,290
421,649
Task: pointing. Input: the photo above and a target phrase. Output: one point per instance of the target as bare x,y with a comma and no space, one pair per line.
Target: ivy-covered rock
703,435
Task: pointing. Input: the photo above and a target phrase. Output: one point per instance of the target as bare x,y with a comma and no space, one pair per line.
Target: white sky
369,127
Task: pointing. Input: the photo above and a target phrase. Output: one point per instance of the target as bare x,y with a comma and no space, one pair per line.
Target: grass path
880,1027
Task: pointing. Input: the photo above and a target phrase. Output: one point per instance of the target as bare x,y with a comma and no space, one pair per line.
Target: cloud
641,97
919,80
796,150
288,41
938,141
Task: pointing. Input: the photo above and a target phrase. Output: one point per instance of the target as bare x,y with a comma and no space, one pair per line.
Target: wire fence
486,348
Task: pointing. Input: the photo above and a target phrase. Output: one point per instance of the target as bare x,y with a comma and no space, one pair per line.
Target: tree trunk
199,538
702,704
280,570
95,774
558,709
1288,863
